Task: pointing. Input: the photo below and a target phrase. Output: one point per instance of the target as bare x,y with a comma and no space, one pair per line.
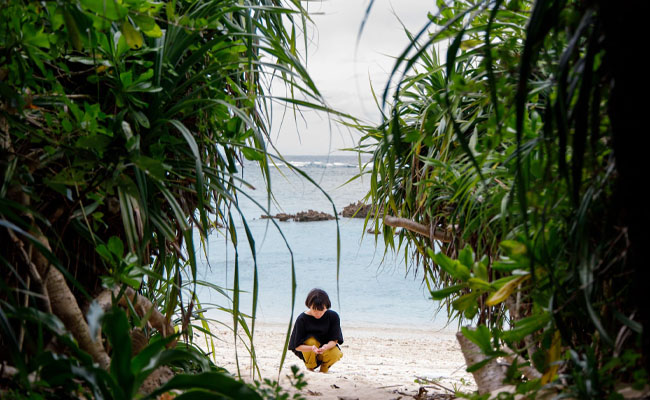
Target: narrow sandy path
378,363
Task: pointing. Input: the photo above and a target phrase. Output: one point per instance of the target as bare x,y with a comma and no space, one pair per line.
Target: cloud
343,71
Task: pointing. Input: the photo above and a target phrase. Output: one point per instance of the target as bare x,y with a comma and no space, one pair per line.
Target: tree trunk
488,378
64,304
623,23
142,306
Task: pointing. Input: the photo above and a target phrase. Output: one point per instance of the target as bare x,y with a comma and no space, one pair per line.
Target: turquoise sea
373,289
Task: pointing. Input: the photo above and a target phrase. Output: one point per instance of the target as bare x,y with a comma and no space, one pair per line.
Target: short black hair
318,299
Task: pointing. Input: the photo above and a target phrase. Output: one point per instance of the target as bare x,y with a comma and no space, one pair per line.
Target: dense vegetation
123,125
122,129
516,158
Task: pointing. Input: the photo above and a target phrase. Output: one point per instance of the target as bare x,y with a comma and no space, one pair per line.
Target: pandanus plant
510,164
124,125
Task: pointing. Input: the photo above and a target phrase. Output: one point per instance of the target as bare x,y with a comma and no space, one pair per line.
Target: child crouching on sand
317,333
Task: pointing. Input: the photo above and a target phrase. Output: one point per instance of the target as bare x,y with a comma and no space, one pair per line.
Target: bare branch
436,233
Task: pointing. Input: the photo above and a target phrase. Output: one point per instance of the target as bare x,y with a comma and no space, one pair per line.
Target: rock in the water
284,217
311,215
356,210
303,216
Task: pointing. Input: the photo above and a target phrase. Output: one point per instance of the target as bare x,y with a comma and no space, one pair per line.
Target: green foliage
507,147
62,374
123,129
272,390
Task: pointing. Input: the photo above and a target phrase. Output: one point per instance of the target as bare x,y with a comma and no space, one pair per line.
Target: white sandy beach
377,363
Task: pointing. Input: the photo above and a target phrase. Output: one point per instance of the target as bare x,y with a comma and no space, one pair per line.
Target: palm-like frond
131,121
508,146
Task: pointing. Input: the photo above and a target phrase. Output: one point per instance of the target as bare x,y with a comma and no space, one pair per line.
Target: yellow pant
326,359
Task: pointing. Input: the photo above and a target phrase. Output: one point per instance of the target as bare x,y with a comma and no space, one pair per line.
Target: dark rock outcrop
356,210
311,215
302,216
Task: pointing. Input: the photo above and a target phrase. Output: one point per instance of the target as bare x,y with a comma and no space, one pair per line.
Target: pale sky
342,75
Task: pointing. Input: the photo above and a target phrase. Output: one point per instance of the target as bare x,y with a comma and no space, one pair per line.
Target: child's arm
314,349
306,348
328,345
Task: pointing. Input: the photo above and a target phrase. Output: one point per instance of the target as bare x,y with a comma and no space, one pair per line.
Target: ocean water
373,288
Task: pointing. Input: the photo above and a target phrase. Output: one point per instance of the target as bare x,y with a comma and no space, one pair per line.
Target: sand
377,363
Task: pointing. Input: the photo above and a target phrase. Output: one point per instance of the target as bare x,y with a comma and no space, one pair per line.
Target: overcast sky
344,76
